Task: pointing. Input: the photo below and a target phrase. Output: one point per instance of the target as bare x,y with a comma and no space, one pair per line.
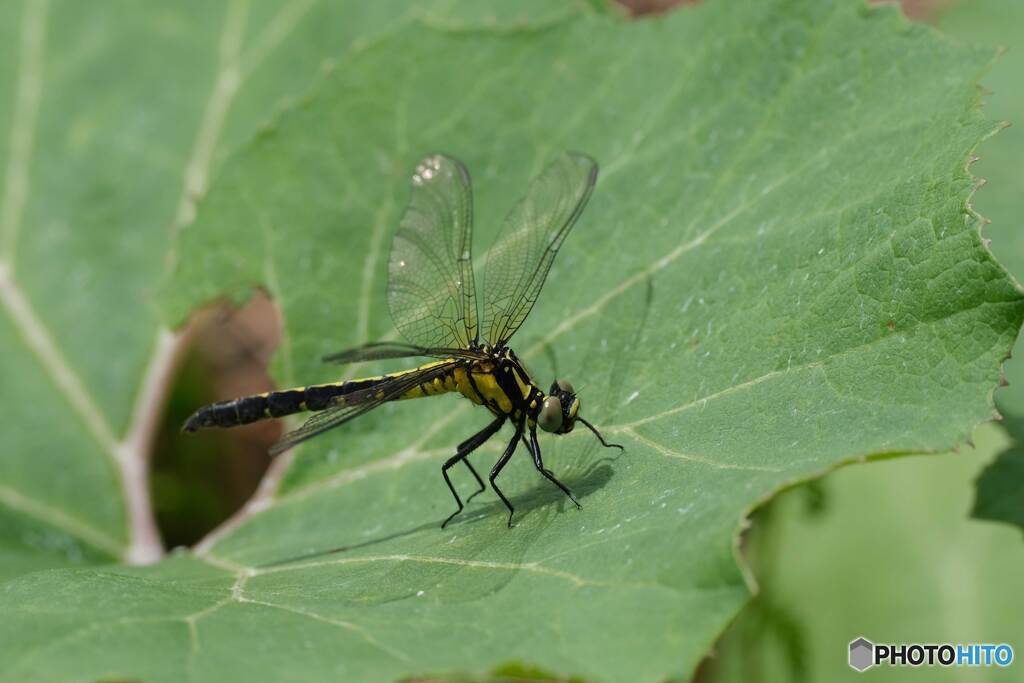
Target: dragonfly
432,298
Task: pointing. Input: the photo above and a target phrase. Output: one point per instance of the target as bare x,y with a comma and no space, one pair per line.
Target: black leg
474,442
502,461
535,449
464,449
478,480
599,437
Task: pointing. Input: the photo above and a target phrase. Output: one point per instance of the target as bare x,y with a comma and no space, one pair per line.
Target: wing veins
431,287
337,415
534,232
389,350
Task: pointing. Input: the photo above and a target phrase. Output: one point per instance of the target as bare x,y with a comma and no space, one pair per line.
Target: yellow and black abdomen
249,409
476,381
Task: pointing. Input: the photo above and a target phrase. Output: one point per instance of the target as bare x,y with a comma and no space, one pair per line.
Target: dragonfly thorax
554,412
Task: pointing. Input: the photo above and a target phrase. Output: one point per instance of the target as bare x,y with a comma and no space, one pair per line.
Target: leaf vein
28,92
60,519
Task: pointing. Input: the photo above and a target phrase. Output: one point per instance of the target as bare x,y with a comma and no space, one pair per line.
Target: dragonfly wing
359,403
386,350
519,260
431,292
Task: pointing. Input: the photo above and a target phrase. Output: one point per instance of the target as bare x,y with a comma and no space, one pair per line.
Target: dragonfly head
559,410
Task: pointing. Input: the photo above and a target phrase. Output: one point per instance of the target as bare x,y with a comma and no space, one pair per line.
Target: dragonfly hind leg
461,453
539,464
498,466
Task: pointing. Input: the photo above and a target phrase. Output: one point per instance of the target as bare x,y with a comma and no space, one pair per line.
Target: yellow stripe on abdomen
439,385
482,389
435,387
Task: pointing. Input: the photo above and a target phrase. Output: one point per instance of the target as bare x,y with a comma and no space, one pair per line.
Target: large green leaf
113,121
777,273
895,559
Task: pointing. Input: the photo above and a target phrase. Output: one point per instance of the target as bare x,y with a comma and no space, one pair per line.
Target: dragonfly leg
535,450
474,442
498,466
478,480
464,449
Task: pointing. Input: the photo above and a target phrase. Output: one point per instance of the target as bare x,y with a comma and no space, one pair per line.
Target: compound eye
565,386
550,417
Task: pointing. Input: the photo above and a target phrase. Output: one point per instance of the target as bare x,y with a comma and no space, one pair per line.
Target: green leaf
112,124
890,556
1000,486
777,273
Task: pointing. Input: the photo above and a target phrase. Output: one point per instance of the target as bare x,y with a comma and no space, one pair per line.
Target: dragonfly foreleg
539,463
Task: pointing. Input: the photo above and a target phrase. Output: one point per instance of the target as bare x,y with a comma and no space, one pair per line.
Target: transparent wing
519,260
359,403
431,292
385,350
